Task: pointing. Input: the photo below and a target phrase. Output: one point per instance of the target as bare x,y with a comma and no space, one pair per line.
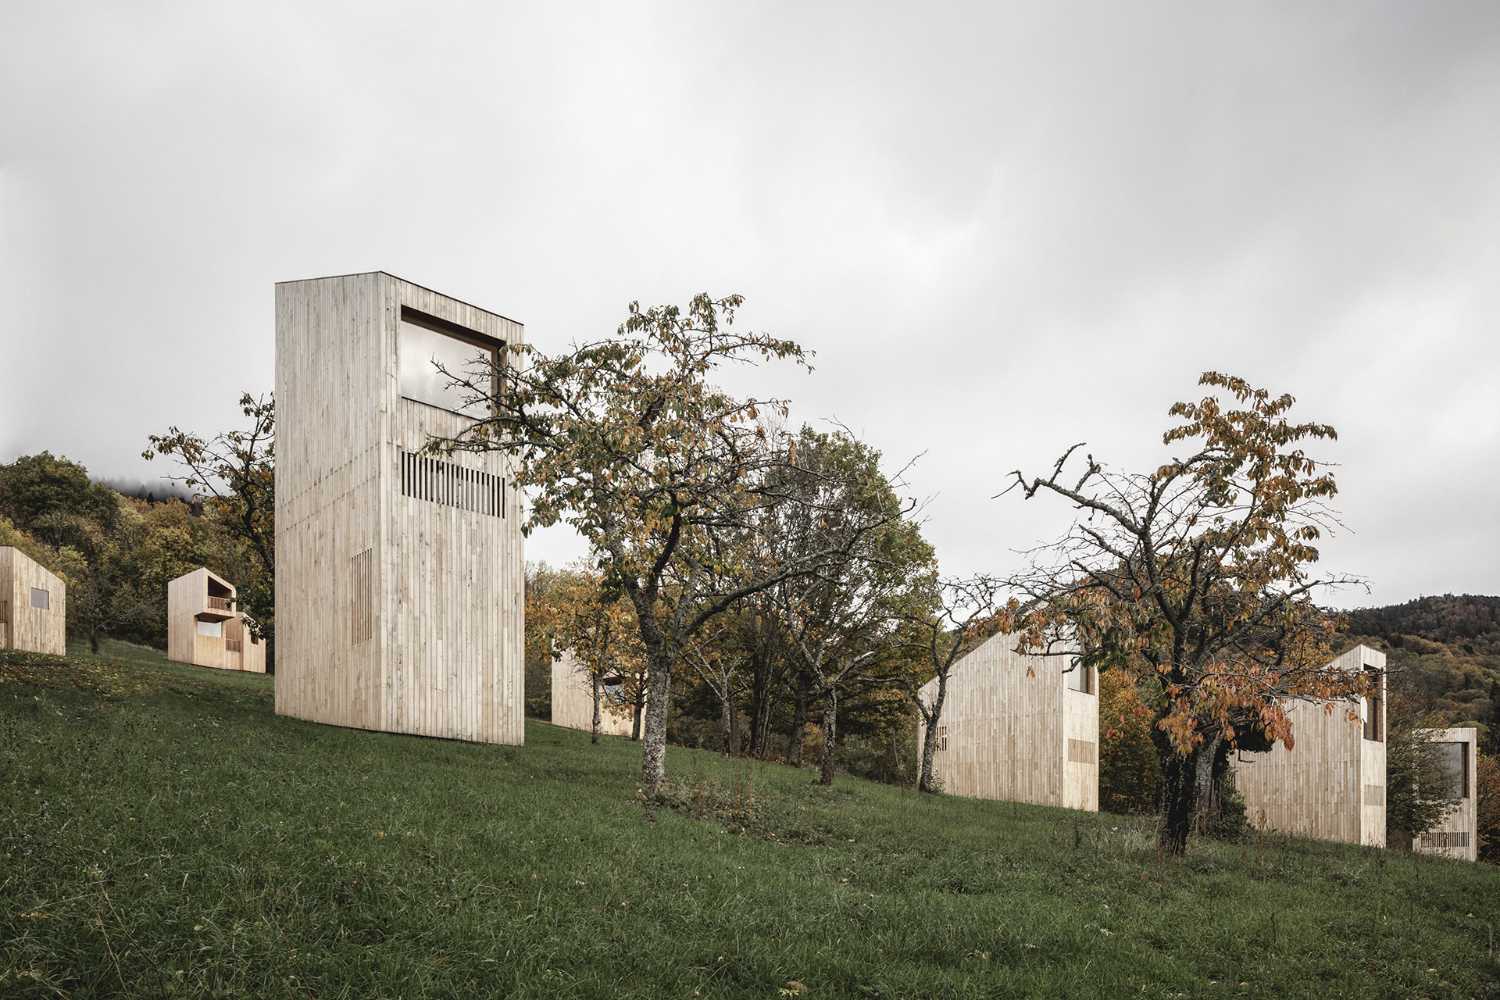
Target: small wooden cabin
1331,785
1457,836
573,699
1018,728
205,626
399,573
33,605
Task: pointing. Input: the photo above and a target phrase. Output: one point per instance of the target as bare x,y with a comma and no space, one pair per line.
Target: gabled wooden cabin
573,699
1331,785
399,573
33,605
205,626
1018,728
1457,836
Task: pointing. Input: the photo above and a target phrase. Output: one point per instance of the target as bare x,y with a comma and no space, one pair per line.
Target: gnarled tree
627,439
1198,575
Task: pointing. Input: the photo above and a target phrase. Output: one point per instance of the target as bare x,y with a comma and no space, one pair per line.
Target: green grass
163,834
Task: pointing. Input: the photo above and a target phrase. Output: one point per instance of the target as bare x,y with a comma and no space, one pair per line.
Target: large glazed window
1454,759
213,630
424,345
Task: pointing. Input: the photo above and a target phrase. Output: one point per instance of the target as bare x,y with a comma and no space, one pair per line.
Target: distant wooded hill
1443,654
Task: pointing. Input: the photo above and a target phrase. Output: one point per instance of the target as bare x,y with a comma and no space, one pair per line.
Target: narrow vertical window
1374,709
361,598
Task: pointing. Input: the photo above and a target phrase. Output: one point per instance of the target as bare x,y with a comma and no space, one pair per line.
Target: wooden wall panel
1457,835
187,599
1008,720
39,630
1331,785
423,635
573,701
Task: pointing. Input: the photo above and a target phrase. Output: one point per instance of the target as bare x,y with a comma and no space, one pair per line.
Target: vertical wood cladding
33,605
437,647
1013,728
1331,785
188,602
1457,834
573,701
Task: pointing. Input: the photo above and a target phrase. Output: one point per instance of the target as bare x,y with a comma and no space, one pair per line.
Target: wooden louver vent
432,479
362,598
1446,839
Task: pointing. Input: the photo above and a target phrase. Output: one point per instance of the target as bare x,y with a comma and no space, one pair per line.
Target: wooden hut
1457,836
573,699
1331,785
1018,728
33,605
205,626
399,575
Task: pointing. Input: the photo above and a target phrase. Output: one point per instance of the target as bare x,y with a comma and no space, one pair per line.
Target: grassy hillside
1443,654
162,833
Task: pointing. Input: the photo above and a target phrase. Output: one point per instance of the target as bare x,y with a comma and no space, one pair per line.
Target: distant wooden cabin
1018,728
33,605
1331,785
399,573
1457,836
206,628
573,699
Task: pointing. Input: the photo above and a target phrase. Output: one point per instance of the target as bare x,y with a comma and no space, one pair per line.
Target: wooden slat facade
573,701
1331,785
189,601
1012,728
1457,835
24,625
399,582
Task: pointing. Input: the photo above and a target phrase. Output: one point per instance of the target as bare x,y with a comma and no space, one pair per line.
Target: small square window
40,598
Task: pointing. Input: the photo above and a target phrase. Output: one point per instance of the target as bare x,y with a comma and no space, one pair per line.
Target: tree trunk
726,724
654,737
1213,765
94,641
830,735
595,677
1179,793
734,727
799,723
930,737
639,708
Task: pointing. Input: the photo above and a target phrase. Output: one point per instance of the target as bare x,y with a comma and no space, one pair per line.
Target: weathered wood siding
1457,835
395,612
1011,730
573,701
1331,785
187,602
39,630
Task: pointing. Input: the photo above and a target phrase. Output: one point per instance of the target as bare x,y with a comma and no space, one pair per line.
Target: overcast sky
1002,228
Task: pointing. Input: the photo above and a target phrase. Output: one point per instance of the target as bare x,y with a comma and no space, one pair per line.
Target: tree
1197,576
1417,794
628,440
960,615
1487,806
53,500
594,623
1129,775
840,618
233,474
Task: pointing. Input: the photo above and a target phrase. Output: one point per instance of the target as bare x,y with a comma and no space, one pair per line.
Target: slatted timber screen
432,479
1080,751
1446,839
1374,795
362,600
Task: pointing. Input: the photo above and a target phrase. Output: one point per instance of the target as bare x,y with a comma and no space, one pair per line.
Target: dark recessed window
1374,709
1081,678
428,347
1454,760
